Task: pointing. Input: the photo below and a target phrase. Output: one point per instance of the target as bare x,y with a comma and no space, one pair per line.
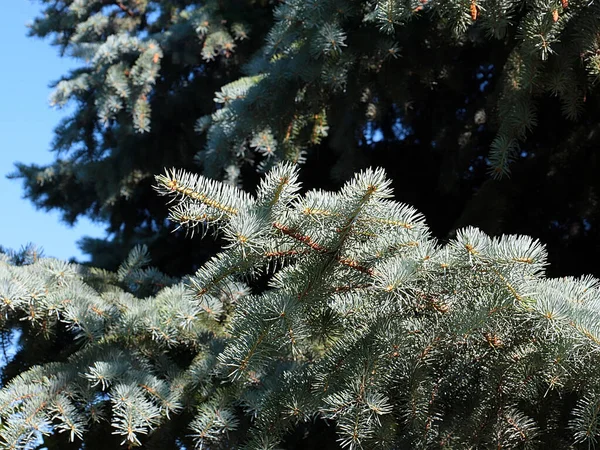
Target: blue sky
26,124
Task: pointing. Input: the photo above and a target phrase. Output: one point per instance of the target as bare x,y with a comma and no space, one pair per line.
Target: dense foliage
366,322
443,94
326,315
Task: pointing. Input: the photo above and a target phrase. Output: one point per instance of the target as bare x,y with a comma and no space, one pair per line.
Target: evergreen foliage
327,306
442,94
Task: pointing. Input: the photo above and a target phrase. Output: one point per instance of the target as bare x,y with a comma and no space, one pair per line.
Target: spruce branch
359,317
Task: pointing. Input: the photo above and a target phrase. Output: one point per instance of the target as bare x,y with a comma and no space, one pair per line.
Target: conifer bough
367,322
